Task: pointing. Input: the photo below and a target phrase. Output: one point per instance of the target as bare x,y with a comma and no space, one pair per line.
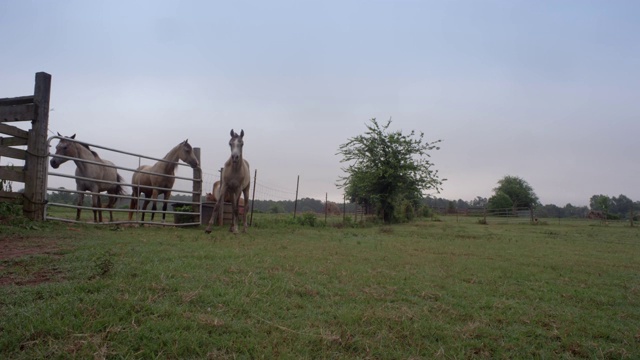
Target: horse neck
85,154
236,167
168,166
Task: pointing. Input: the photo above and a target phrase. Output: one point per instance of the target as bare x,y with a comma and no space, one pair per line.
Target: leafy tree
500,201
619,207
622,205
600,203
517,190
387,168
479,201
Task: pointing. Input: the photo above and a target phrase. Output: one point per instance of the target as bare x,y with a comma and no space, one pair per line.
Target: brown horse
156,180
236,179
91,175
215,195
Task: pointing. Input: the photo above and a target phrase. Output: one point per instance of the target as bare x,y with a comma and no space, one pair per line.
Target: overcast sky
544,90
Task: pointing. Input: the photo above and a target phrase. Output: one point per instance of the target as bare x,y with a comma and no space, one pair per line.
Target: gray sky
543,90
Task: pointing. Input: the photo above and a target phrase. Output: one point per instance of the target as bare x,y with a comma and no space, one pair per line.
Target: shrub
307,218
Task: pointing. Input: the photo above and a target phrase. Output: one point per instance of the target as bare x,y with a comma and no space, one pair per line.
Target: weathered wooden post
221,198
326,206
196,197
37,151
295,204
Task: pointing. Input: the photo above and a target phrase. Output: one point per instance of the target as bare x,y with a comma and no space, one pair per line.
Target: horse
155,180
96,178
236,180
215,195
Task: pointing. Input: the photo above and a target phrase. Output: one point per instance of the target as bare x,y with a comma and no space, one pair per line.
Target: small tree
515,189
387,168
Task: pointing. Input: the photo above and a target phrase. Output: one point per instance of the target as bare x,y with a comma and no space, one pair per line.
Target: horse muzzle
54,163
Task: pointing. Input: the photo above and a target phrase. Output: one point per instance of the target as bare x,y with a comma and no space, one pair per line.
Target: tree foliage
387,168
500,201
620,206
515,189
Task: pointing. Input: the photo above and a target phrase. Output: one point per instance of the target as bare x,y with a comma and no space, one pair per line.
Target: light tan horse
155,180
92,176
236,180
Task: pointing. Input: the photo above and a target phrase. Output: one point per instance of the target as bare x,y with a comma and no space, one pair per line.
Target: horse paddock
425,289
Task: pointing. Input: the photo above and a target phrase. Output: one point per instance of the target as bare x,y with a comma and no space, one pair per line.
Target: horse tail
120,188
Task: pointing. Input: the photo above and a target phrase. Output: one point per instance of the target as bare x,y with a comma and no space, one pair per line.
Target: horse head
65,148
236,144
186,154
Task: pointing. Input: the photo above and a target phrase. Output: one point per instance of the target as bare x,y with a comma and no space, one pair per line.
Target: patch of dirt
18,247
16,272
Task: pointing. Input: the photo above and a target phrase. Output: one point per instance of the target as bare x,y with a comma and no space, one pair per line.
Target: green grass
427,289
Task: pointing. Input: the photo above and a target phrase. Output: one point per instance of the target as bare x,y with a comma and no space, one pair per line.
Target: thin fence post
344,208
196,197
295,204
253,197
326,206
221,206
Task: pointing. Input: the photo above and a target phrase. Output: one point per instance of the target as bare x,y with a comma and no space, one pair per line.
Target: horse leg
167,195
244,210
144,207
96,204
111,205
80,201
154,198
234,213
216,208
134,202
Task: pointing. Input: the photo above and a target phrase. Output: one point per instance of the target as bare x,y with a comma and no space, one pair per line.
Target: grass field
429,289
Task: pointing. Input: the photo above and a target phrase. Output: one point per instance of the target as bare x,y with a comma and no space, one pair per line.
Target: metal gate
57,209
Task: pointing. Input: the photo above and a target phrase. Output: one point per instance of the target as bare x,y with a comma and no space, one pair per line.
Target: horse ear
186,141
241,133
73,136
59,134
231,133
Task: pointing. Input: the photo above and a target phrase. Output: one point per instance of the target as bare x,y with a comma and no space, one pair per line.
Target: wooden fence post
196,197
37,151
326,206
295,205
221,198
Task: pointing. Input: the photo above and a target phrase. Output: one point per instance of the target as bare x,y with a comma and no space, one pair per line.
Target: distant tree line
614,207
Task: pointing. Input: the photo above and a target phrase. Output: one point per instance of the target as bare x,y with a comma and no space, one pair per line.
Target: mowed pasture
427,289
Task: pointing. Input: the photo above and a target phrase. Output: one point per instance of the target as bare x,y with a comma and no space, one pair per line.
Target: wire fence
528,215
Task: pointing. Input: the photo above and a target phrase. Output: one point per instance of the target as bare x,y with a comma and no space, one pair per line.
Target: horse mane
88,148
172,153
